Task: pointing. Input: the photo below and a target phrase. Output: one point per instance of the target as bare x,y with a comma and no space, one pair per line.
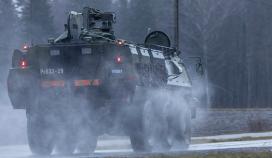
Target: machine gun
90,25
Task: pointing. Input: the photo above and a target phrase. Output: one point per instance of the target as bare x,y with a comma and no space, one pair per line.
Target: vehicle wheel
168,123
40,135
87,141
156,127
179,121
67,140
138,144
137,132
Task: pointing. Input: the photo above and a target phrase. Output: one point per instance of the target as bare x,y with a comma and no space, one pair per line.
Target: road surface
22,151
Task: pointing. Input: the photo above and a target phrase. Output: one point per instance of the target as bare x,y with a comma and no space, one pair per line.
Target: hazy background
233,37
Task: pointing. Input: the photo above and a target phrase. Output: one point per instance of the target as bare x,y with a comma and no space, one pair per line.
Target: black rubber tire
40,135
134,124
137,132
156,127
66,140
139,143
180,129
169,123
87,141
188,132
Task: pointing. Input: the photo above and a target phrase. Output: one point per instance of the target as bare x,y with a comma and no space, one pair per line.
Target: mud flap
22,87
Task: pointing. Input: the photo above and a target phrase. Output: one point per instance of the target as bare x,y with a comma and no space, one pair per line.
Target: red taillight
23,64
118,59
53,83
96,82
80,83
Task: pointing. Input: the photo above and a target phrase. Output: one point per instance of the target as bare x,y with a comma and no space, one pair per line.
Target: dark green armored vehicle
87,83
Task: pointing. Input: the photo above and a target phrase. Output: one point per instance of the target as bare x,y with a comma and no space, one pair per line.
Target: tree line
36,20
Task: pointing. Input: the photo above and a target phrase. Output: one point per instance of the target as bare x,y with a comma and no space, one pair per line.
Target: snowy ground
235,136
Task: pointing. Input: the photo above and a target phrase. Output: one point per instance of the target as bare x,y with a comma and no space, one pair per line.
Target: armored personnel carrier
87,83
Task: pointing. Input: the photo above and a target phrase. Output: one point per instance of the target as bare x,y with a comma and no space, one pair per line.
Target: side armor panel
176,71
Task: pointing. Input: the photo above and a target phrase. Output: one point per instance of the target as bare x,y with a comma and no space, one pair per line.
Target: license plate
49,71
117,71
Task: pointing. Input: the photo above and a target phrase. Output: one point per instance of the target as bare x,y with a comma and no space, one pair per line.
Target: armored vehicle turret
87,83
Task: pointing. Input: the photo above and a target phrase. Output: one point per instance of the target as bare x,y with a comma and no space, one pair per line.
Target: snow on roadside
235,136
232,145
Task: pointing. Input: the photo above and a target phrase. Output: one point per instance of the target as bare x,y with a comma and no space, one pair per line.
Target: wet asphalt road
22,151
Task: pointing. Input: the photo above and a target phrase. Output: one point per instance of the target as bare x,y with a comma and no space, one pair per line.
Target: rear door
69,62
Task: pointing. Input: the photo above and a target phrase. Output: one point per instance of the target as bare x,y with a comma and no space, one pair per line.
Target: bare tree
8,23
202,22
37,20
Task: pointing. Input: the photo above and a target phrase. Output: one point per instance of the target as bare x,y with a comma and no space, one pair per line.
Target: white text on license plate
117,71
